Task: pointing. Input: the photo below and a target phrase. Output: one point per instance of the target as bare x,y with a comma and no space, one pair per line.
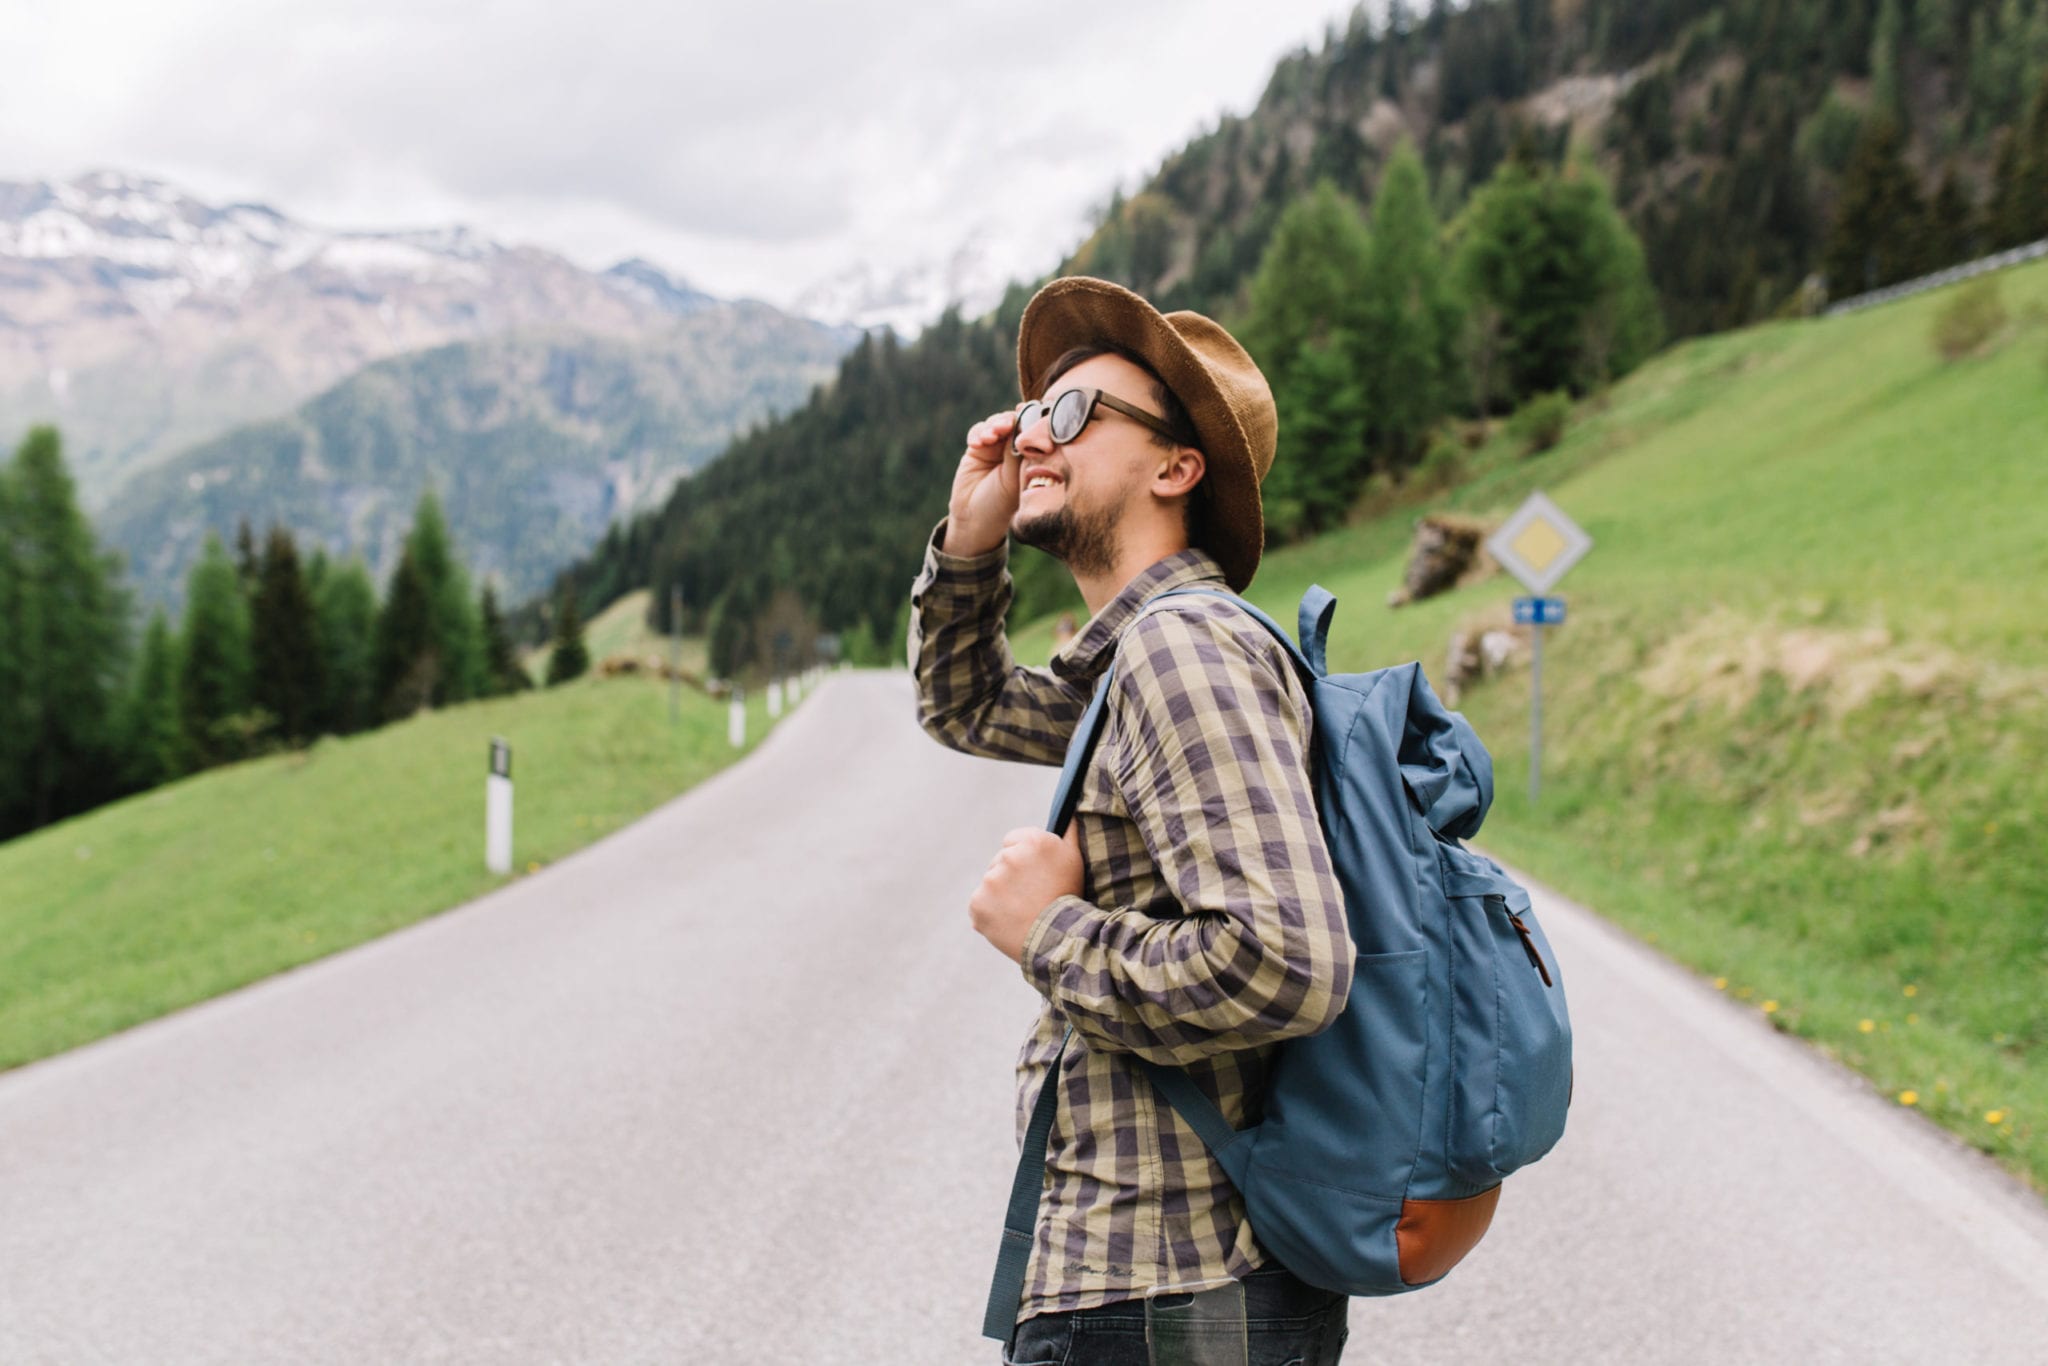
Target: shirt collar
1082,659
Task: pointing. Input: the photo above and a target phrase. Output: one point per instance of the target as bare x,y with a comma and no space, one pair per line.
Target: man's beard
1084,541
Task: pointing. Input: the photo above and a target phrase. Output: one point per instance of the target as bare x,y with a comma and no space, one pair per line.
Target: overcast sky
754,148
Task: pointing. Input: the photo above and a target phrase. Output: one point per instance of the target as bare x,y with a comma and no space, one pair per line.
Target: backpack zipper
1528,943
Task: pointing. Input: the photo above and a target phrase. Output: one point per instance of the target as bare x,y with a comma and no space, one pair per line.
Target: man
1190,915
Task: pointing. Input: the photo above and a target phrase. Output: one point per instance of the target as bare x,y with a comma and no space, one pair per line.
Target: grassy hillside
193,889
1795,725
621,629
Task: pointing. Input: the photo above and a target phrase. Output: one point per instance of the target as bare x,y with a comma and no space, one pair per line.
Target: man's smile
1040,479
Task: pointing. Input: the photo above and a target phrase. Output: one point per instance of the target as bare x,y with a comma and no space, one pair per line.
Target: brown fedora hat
1213,377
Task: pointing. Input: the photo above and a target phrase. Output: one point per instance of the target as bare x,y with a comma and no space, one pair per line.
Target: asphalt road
733,1086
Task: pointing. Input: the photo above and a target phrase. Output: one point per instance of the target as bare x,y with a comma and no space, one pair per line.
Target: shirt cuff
1044,938
975,566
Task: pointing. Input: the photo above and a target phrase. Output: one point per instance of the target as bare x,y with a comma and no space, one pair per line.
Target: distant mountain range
143,320
534,441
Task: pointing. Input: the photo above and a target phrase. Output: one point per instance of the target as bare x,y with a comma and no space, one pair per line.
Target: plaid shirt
1212,925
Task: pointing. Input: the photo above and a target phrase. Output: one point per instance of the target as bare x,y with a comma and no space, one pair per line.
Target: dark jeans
1271,1318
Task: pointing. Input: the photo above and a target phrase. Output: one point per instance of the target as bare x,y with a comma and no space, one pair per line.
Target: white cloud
752,148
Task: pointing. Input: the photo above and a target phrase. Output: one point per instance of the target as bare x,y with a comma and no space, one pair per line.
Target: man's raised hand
985,489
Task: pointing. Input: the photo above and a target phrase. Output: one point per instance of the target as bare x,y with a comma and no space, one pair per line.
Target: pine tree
731,632
1407,350
14,726
345,612
1886,96
455,632
1934,27
70,642
1951,223
2025,206
288,677
407,655
502,668
152,736
248,564
1306,325
1555,282
570,658
1623,323
1876,240
2001,225
213,656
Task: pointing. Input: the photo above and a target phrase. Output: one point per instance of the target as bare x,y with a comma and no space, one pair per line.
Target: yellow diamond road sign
1538,544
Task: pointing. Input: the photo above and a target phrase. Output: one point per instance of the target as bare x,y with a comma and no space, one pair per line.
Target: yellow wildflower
1994,1116
1912,1019
1866,1025
1912,990
1770,1007
1720,984
1909,1097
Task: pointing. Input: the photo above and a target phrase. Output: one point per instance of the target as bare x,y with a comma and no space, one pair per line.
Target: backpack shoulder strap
1020,1221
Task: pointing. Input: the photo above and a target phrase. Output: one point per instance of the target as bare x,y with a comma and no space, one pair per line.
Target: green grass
199,887
1823,497
621,629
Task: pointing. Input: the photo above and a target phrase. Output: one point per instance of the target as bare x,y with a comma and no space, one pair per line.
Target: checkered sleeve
971,695
1211,758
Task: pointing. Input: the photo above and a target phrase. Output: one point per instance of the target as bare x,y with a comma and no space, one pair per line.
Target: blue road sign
1539,611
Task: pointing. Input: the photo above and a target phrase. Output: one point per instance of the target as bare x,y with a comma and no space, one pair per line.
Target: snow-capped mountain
157,247
142,319
910,299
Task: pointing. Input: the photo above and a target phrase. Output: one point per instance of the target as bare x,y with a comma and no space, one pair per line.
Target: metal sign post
1537,613
1537,545
498,808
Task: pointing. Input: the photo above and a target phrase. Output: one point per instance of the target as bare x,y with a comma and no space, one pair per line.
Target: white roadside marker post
736,719
498,808
1537,545
774,698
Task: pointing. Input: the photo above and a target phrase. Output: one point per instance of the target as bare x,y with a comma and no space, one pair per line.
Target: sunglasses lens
1026,415
1069,411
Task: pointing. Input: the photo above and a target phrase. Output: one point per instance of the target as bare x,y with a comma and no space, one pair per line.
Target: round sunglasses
1071,410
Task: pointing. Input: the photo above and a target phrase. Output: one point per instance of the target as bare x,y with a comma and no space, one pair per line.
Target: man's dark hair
1170,408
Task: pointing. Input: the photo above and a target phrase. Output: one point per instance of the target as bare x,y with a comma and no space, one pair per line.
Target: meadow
198,887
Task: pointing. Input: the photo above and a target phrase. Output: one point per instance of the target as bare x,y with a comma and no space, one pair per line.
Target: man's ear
1178,471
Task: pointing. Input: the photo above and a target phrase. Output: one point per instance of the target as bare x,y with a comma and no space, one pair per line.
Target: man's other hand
1032,870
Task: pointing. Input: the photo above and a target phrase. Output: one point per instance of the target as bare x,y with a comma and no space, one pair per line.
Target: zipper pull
1529,945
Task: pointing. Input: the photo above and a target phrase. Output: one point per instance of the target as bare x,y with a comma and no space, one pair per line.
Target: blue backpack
1385,1137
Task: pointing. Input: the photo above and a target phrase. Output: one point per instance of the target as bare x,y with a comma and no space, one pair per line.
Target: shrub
1539,424
1969,319
1443,466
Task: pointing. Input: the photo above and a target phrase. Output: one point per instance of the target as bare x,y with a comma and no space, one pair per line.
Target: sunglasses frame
1093,397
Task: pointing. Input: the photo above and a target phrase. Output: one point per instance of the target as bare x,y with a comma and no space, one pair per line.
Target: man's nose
1038,436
